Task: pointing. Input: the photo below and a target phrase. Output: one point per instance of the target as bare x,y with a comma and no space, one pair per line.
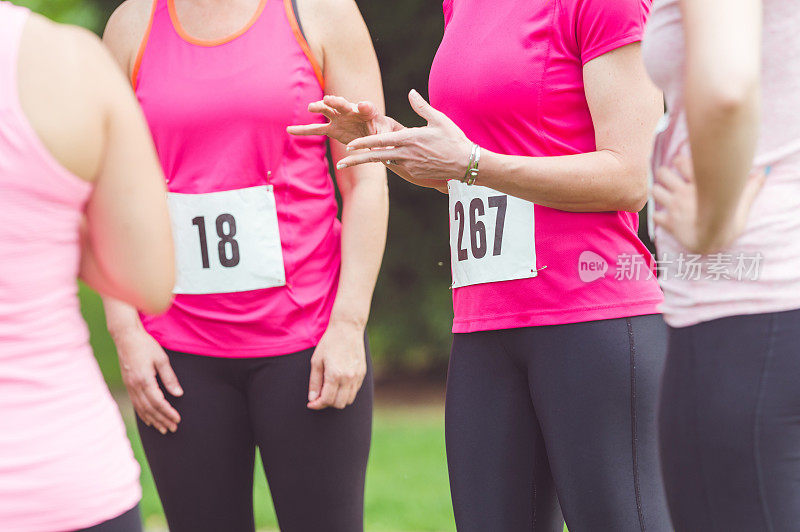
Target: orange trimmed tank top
218,112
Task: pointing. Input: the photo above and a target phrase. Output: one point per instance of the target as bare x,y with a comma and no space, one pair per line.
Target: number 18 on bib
226,241
491,236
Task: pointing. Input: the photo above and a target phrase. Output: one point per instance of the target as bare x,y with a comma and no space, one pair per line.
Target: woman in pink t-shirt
541,137
727,197
264,347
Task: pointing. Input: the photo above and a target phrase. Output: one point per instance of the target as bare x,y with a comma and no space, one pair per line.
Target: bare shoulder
61,50
68,82
329,24
328,16
125,30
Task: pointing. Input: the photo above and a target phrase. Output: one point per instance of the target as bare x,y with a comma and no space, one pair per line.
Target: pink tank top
218,112
510,74
65,462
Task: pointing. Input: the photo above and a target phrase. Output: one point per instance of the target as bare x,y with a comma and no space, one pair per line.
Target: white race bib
226,241
491,236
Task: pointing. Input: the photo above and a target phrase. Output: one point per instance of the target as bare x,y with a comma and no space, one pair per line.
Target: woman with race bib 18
541,138
264,345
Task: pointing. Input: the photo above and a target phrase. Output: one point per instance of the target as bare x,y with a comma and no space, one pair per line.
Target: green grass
407,487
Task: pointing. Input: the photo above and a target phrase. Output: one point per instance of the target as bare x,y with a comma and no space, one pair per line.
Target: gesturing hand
347,121
676,201
338,367
425,155
141,359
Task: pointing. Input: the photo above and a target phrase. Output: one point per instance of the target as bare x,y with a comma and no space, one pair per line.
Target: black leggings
730,424
315,461
542,415
130,521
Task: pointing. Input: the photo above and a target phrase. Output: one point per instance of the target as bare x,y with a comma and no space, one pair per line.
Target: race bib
226,241
491,236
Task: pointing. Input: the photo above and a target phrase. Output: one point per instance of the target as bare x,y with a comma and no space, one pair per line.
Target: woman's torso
65,462
510,75
218,112
760,272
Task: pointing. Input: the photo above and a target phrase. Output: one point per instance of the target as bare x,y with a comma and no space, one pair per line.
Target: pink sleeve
605,25
447,6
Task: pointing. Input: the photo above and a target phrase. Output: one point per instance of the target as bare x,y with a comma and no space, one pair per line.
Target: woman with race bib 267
541,137
264,345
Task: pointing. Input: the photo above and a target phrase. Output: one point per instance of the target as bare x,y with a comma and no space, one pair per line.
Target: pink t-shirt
760,272
510,74
65,461
218,114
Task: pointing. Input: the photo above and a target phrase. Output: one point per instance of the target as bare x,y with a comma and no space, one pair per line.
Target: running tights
315,461
545,420
730,424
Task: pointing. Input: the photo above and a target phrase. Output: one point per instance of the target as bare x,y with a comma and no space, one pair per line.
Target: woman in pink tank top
67,159
540,135
264,346
727,198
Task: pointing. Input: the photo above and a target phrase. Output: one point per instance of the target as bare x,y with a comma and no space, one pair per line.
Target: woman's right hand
141,359
347,121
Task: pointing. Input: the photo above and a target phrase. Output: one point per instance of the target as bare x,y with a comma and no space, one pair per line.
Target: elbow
634,197
635,200
729,99
158,298
157,303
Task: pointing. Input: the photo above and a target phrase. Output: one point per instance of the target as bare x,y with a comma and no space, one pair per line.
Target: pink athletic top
218,112
65,462
509,73
760,272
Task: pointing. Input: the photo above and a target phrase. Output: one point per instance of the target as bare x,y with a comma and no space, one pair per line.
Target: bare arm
141,358
625,108
722,96
128,220
351,71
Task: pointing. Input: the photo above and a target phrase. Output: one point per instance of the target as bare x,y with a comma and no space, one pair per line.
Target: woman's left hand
338,367
675,195
437,152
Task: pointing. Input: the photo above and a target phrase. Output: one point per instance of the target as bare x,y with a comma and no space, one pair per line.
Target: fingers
669,179
161,409
662,196
342,105
315,380
150,416
168,377
322,109
381,140
423,108
373,156
327,397
684,165
661,219
150,403
367,109
342,397
308,130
